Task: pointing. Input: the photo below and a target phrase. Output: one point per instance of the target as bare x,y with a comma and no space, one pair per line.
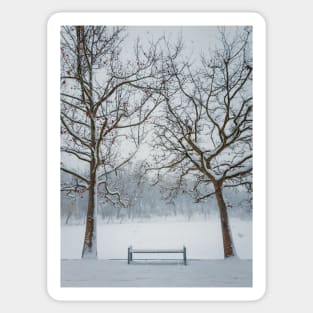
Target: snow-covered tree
103,93
204,134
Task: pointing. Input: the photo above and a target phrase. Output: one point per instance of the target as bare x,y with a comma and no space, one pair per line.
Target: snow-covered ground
231,272
203,239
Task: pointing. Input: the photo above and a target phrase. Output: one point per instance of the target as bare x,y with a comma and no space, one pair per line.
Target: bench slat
156,251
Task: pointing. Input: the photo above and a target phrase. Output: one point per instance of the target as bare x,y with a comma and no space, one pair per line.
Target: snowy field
206,266
203,239
232,272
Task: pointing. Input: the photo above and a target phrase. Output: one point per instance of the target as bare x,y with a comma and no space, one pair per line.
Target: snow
203,239
231,272
206,265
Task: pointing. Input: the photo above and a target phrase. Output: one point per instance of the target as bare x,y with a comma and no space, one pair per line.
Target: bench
131,251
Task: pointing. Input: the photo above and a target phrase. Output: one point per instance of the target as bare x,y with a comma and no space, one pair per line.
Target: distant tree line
145,200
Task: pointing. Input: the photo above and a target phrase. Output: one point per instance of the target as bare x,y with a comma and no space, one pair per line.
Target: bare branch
75,174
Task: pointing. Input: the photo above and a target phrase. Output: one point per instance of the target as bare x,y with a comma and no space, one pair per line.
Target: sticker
156,156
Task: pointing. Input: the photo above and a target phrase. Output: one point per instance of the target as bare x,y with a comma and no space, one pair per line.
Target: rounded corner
52,294
260,18
53,17
260,294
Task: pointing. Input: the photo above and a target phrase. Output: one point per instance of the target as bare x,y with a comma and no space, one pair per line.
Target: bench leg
185,256
128,255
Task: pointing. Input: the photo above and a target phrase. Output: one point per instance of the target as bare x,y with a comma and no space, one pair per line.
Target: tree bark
90,242
89,247
228,245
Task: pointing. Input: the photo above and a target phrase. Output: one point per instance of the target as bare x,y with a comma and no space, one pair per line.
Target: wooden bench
131,251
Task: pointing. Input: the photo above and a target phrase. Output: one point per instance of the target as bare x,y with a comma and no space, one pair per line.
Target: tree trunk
90,242
229,249
89,247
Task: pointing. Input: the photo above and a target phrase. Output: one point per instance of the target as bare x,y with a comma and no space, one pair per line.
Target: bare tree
205,135
102,95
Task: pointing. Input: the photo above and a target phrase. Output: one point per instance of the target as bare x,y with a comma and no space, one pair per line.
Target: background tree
205,133
103,93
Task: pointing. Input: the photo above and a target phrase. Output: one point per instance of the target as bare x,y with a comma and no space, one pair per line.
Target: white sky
196,38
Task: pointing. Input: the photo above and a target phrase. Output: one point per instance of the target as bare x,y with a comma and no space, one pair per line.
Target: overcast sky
197,39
